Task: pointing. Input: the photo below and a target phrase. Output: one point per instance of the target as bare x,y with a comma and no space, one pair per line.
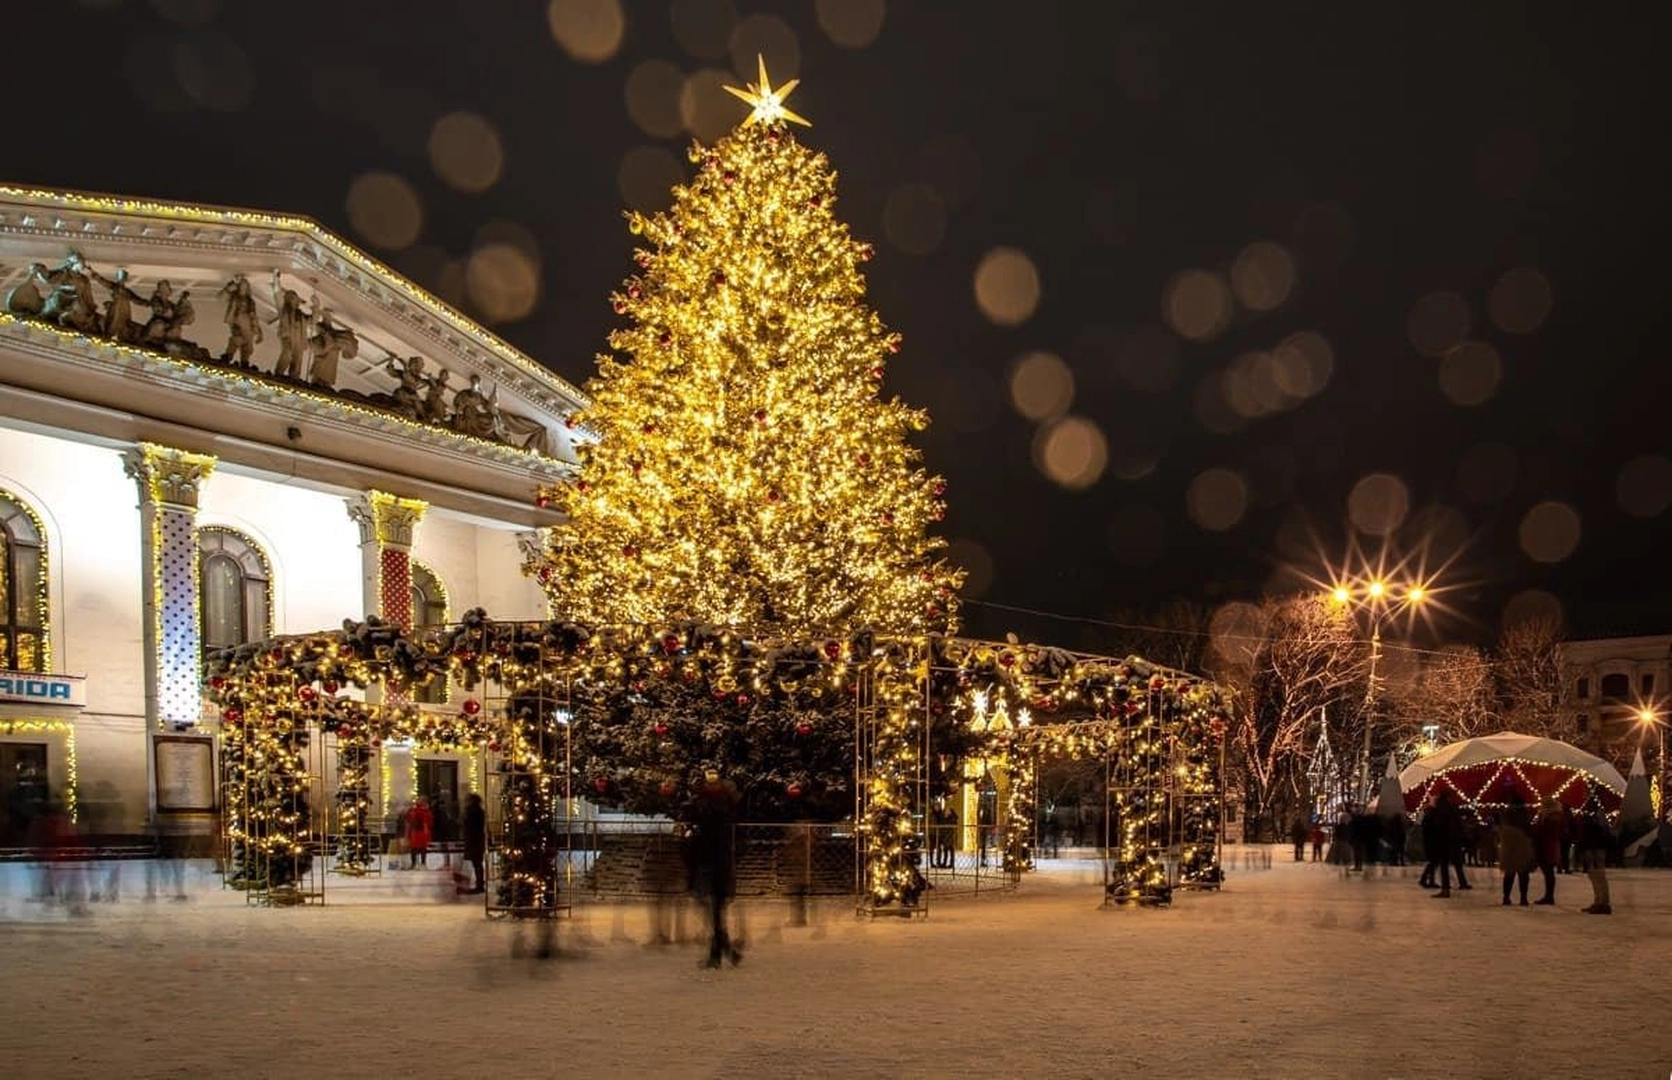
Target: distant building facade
1607,682
217,425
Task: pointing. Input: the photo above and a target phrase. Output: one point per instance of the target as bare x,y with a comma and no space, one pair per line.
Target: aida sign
27,688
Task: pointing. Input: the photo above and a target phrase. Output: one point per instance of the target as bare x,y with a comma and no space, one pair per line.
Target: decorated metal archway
907,706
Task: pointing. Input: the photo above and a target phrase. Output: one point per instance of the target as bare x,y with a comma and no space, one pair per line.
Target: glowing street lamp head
1377,590
1646,716
1341,595
1416,594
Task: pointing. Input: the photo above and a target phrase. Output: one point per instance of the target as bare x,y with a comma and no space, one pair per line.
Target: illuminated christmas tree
747,473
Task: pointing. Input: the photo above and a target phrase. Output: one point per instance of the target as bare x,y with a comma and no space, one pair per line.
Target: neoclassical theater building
216,425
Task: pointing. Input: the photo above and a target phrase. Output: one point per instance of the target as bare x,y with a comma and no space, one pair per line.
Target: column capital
386,520
166,476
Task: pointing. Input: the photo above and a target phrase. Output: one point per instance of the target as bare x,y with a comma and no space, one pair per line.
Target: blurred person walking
1549,831
476,840
1595,840
714,813
418,822
1515,846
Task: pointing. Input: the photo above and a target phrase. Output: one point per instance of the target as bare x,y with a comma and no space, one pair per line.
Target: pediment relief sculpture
308,343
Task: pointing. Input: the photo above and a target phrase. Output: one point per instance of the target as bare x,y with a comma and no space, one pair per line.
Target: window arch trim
222,541
15,510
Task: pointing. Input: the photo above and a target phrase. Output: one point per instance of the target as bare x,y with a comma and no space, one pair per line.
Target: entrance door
438,782
23,790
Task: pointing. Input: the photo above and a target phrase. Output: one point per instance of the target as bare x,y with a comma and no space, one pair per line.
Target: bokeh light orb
1197,305
384,210
1071,452
1217,499
852,24
705,108
502,281
1469,373
1262,276
1302,363
1041,386
702,27
466,152
1378,504
652,92
588,30
1644,486
1006,286
1550,531
1520,301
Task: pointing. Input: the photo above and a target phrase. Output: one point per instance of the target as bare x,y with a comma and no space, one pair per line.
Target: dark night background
1392,150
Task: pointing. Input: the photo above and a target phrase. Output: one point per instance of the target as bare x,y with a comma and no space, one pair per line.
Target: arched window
23,595
429,608
1616,688
234,589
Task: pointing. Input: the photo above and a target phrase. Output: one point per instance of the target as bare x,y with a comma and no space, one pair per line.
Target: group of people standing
1525,839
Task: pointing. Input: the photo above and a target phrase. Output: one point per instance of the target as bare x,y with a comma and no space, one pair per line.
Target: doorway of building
438,783
23,790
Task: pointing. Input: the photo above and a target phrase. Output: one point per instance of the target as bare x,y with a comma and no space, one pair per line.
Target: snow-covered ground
1290,971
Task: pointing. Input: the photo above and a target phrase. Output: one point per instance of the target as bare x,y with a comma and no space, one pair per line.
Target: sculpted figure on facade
408,397
69,301
25,298
328,344
293,330
118,324
243,328
161,303
434,408
473,413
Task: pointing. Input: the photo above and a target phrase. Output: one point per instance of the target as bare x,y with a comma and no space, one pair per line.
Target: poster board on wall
183,770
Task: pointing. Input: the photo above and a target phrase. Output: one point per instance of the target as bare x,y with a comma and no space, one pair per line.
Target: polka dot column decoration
395,585
169,481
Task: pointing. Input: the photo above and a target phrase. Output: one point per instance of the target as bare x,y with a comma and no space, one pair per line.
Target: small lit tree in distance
747,472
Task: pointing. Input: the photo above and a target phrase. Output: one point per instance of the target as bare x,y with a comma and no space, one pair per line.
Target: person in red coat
418,824
1549,830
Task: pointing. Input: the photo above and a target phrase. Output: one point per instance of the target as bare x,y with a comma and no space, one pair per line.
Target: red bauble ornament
660,729
932,611
760,416
542,501
472,706
894,345
878,372
600,785
582,485
719,279
804,729
545,573
349,651
620,307
329,686
864,459
643,259
815,202
667,788
276,654
1158,683
650,429
773,496
570,421
719,695
729,175
344,732
233,715
216,682
865,251
833,649
793,790
633,292
670,643
493,747
629,551
307,693
1131,707
887,518
377,743
665,340
743,699
939,488
937,514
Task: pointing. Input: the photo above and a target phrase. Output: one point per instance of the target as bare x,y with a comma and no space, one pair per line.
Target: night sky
1454,207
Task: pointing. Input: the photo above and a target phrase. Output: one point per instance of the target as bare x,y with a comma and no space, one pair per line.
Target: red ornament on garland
660,728
216,682
793,790
667,788
833,649
600,785
376,743
542,500
344,732
493,747
804,729
619,307
472,706
233,715
307,693
330,686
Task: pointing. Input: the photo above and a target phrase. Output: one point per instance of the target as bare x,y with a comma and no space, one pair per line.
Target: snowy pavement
1296,970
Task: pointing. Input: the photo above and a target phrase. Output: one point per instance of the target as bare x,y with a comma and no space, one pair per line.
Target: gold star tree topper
767,104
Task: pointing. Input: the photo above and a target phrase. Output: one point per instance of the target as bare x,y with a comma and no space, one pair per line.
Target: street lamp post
1380,599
